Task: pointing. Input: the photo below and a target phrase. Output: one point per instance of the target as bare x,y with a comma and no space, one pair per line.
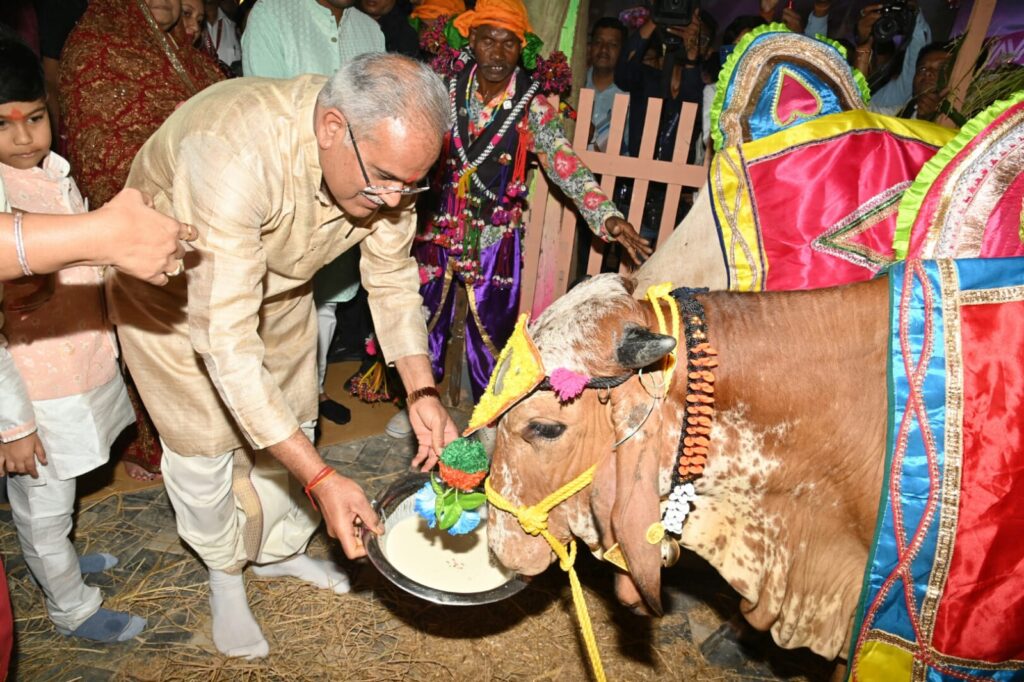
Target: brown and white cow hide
788,501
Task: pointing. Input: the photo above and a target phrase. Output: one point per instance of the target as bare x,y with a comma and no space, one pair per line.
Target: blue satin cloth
953,349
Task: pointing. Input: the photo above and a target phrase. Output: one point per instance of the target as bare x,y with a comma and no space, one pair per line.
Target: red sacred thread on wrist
315,481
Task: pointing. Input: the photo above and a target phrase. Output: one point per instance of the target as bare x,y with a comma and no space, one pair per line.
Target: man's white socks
235,631
323,573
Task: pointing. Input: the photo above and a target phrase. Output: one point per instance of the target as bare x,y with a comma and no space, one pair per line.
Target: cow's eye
547,430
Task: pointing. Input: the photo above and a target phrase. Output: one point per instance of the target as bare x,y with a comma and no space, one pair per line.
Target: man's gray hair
377,86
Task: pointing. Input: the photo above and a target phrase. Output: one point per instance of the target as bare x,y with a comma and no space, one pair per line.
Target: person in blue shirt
606,40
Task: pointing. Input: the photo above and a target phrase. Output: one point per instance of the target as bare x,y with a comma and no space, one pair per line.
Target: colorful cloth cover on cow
967,200
775,79
788,116
941,598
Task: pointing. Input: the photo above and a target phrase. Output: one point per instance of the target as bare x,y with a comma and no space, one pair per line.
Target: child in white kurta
65,351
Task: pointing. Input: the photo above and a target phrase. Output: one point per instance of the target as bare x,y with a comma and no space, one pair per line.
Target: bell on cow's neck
670,551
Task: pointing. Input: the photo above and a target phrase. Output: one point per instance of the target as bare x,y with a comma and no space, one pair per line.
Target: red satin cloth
981,614
809,189
971,193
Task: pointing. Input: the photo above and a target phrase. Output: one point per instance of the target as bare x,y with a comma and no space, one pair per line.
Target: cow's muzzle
534,521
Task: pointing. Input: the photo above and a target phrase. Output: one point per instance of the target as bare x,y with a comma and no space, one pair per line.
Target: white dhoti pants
42,515
238,507
326,323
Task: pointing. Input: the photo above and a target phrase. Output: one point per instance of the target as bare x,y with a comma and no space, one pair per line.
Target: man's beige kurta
225,355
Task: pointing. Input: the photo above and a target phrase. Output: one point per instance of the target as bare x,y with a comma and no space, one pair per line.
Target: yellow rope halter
534,521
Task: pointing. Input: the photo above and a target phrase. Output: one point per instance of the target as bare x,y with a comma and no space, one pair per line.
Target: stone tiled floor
139,528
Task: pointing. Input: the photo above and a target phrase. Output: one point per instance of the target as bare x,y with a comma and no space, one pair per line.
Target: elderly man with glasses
269,174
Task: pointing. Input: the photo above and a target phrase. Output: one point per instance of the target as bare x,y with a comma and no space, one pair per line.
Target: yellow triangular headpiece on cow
518,371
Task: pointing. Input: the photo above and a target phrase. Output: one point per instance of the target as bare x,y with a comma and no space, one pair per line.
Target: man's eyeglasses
378,190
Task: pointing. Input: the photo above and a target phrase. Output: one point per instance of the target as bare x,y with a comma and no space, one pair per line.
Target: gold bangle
422,393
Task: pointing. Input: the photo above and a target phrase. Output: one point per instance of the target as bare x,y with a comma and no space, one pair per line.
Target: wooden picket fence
550,239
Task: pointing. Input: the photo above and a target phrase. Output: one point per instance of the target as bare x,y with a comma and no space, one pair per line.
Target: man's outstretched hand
434,429
639,249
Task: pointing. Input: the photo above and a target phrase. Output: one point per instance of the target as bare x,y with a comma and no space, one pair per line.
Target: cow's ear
637,501
641,347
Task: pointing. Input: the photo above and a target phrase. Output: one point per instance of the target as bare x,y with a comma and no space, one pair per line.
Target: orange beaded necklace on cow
701,359
699,399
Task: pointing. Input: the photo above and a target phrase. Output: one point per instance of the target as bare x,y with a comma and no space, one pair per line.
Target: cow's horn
641,347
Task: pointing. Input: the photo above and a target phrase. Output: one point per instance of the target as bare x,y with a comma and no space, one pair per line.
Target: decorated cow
752,430
785,491
849,459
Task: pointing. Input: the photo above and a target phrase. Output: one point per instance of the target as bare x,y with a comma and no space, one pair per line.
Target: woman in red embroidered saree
122,73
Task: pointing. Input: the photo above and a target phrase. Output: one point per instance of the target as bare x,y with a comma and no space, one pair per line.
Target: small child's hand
19,456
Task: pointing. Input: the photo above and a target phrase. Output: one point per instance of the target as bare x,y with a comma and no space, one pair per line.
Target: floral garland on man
471,232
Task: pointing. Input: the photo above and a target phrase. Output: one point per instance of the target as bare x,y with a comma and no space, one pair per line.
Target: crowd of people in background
681,63
907,70
111,72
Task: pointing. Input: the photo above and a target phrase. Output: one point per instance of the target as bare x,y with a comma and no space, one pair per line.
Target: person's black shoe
334,411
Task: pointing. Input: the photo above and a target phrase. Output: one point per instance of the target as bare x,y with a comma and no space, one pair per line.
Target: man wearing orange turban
428,10
472,236
507,14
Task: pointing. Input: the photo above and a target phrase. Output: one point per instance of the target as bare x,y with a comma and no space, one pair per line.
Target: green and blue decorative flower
450,501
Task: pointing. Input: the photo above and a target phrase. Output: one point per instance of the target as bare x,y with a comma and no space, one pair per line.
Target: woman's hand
143,242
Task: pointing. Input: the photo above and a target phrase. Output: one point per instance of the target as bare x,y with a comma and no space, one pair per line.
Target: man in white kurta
270,175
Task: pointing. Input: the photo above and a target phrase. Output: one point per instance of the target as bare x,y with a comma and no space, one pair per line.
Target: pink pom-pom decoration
568,385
